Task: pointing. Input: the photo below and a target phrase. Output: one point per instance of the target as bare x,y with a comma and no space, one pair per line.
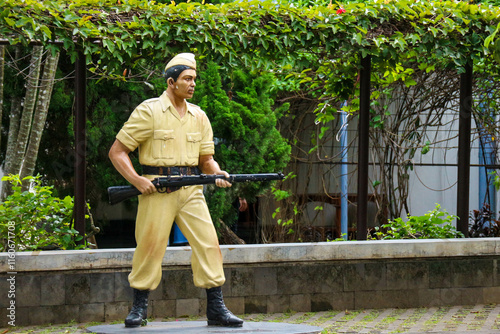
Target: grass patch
496,325
304,317
284,316
458,318
324,318
69,328
480,318
256,317
365,321
412,319
436,317
349,315
393,316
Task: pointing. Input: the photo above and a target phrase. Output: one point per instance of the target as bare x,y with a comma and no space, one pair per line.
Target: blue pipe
487,191
343,174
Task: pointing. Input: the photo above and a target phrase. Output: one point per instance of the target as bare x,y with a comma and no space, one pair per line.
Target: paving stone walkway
477,319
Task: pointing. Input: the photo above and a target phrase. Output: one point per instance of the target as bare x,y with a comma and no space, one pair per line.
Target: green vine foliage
255,33
321,44
36,220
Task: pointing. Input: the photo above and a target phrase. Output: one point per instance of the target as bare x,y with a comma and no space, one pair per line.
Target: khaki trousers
155,216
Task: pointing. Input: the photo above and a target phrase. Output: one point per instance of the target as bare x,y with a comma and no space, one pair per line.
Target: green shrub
245,133
435,224
34,219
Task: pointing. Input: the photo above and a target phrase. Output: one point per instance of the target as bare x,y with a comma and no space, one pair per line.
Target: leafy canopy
261,34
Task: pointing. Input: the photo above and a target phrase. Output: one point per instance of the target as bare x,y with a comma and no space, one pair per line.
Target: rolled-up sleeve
207,146
137,129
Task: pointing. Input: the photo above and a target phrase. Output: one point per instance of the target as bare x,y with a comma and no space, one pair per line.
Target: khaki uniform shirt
163,137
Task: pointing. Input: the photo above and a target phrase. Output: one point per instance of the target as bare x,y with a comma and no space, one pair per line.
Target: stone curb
261,253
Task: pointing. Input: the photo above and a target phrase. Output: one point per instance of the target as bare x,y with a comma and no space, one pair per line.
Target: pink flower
340,10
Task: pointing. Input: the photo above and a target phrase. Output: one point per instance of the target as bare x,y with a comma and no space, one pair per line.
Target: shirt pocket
193,144
163,144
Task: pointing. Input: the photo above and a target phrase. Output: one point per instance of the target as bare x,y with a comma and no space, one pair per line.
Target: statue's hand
145,186
221,182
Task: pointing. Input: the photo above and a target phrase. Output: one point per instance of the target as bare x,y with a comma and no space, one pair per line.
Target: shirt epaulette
195,108
151,100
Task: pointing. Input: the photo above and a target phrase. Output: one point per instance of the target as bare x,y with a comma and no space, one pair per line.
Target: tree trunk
27,115
41,110
228,237
19,131
15,114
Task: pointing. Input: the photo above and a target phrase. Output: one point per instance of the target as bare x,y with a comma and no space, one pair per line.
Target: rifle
118,194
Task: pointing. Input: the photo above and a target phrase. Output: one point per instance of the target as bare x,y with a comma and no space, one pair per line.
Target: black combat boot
139,313
217,312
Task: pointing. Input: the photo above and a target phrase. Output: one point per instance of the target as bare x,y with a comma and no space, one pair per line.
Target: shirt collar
166,104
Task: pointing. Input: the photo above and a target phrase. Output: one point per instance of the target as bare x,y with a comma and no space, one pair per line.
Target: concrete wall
91,285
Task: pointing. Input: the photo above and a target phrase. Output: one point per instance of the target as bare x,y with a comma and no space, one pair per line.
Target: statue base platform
200,327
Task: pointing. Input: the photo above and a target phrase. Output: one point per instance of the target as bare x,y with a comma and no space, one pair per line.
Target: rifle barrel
118,194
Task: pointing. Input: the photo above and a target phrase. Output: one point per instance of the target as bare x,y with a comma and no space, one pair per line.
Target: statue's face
184,86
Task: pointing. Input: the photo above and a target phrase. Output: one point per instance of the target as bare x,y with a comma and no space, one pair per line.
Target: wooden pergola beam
464,145
363,146
80,143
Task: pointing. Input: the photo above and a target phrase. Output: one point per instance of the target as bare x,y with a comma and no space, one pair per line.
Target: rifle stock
118,194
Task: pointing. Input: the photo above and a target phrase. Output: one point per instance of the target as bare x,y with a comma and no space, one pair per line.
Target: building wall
438,184
428,185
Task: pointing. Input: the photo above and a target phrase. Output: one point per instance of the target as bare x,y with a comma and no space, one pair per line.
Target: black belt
174,170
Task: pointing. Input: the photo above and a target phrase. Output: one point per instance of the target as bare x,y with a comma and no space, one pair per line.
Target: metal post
344,217
80,143
464,132
363,147
486,155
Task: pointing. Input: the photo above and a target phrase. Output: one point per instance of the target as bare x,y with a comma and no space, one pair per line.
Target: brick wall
61,286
